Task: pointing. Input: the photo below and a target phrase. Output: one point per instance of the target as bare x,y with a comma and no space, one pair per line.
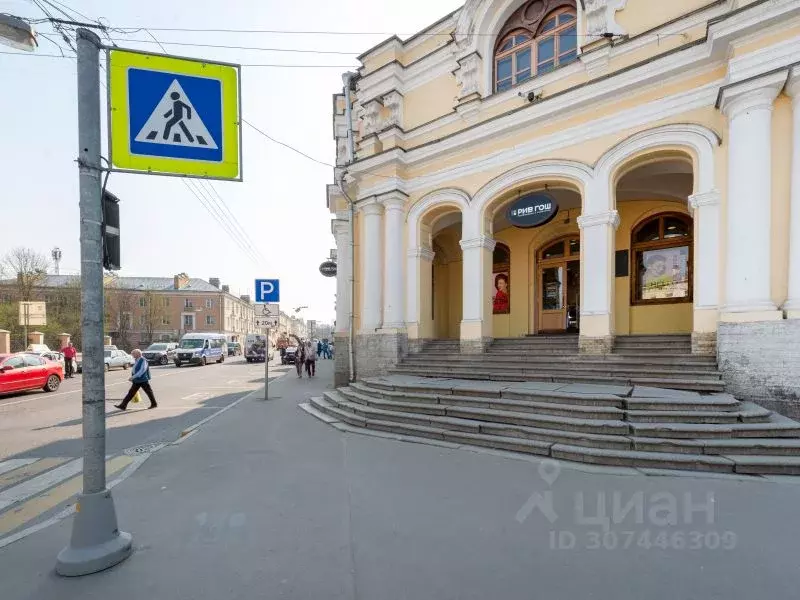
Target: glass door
552,312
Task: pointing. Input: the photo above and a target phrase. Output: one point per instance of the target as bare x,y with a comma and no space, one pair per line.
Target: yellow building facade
602,167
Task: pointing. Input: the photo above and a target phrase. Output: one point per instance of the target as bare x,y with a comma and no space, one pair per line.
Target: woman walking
140,379
311,359
300,359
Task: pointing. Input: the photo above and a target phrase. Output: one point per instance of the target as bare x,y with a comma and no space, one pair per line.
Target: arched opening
517,263
654,284
661,259
538,38
446,277
558,279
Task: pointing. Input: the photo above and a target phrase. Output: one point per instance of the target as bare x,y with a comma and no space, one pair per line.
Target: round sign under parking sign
532,210
328,268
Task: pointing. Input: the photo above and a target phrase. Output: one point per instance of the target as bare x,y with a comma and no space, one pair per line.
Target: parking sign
268,290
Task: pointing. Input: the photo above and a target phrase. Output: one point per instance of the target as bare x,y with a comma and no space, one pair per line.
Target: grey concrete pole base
96,543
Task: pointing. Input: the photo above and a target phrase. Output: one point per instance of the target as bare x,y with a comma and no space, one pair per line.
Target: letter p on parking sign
268,290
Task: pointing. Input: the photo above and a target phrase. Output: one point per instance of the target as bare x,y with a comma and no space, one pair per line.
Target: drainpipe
348,79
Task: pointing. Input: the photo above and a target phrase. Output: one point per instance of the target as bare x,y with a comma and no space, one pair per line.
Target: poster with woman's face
665,273
501,297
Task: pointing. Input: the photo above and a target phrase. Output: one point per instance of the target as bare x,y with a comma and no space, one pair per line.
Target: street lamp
17,33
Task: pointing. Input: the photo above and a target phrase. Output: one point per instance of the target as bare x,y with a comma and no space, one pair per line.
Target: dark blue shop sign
532,210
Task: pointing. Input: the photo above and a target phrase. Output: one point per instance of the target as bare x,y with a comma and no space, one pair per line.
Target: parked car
289,356
201,349
160,353
28,371
117,359
44,351
234,349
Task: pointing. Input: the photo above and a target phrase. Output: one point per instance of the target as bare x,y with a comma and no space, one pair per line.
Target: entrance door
558,279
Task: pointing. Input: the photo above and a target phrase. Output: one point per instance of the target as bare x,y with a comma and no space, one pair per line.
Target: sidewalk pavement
266,501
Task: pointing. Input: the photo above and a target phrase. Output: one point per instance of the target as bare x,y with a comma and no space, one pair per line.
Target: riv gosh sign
532,210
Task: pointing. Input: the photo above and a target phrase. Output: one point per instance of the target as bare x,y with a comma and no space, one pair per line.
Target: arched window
535,41
501,278
662,260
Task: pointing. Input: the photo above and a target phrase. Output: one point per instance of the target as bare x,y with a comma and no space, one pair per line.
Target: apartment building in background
142,310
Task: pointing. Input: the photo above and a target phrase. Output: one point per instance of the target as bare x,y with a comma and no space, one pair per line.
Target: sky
280,205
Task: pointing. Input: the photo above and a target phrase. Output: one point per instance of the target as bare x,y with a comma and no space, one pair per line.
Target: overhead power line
127,30
254,65
227,47
214,211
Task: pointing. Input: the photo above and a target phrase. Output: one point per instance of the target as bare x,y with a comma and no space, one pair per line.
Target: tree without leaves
153,312
28,267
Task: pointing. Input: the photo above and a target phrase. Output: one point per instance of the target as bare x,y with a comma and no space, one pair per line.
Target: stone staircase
621,425
656,360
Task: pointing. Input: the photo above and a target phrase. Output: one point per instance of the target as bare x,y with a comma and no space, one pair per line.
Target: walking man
311,359
140,379
70,354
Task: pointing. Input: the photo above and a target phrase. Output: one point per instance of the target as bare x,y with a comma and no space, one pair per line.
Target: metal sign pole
96,543
266,366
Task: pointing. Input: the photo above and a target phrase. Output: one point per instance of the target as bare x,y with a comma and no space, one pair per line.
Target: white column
792,306
476,324
418,308
394,221
747,280
597,268
341,232
371,264
706,251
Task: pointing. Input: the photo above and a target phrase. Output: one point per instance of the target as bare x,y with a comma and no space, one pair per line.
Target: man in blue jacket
140,379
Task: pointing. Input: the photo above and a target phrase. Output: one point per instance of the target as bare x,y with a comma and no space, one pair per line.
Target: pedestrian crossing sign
174,116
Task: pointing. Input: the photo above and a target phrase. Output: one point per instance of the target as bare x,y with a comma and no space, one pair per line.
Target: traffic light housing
111,242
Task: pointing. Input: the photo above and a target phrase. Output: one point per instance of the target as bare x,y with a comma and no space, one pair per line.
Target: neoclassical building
606,167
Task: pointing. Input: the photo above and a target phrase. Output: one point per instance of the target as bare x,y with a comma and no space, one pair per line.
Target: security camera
532,96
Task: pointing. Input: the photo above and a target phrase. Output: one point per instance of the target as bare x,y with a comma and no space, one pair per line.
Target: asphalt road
39,424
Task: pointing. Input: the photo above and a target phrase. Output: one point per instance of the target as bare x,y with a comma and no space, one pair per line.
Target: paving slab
643,391
542,386
588,388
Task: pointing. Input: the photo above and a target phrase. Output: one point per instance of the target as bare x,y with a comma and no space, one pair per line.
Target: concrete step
565,405
614,376
559,367
513,357
682,384
577,447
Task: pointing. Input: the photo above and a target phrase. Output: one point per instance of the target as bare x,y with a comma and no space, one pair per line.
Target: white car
44,351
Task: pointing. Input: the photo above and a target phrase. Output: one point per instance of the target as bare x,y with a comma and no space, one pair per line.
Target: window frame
661,244
533,45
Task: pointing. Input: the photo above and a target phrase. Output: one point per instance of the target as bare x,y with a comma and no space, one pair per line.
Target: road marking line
70,510
27,472
38,484
15,463
197,396
15,518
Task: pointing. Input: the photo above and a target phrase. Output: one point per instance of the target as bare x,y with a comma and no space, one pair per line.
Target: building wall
461,146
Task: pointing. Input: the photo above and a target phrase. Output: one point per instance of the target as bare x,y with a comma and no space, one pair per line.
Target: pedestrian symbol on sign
175,122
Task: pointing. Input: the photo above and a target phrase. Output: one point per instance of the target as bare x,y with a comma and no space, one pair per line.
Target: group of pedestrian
306,357
324,349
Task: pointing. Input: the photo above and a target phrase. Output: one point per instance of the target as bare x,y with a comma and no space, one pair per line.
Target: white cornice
610,217
482,241
710,198
654,111
759,92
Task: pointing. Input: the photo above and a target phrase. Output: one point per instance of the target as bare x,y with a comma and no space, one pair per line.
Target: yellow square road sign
174,116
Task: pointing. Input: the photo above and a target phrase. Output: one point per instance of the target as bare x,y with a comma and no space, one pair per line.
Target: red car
23,371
